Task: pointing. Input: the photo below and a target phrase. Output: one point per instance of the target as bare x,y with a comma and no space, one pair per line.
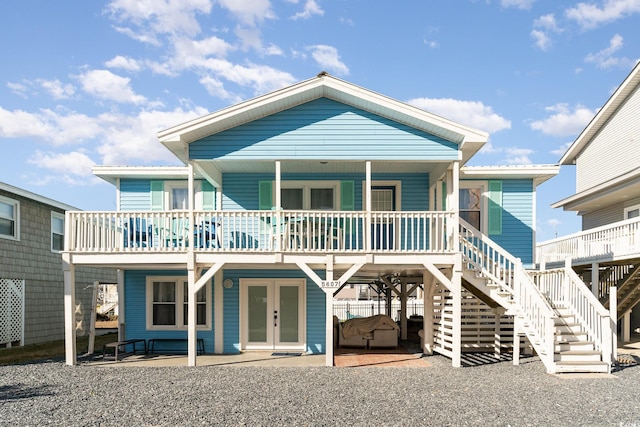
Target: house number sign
330,283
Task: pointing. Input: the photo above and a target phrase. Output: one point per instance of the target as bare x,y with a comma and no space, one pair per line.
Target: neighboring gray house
31,279
606,156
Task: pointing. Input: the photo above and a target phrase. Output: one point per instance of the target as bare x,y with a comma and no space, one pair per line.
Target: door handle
275,318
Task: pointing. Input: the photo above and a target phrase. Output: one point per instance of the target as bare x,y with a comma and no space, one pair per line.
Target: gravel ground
51,393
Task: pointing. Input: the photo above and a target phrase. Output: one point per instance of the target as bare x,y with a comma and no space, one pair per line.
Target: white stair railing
491,261
565,289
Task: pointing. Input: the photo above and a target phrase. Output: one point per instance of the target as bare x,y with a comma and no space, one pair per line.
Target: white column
191,318
403,310
456,279
595,279
69,311
121,311
92,321
218,312
613,314
368,244
329,314
427,318
626,326
278,185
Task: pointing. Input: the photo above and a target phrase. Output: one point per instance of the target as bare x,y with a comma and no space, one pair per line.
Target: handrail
503,269
565,289
259,231
617,239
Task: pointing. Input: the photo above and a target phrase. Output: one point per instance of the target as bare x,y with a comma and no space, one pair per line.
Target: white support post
329,314
497,338
403,310
456,293
92,321
595,279
278,184
427,318
368,244
613,314
516,340
121,311
69,271
218,313
626,326
191,318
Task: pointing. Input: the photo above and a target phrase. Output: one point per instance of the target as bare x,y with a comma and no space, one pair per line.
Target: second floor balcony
260,232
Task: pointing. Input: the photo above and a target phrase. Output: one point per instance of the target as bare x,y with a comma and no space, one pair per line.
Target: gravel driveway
50,393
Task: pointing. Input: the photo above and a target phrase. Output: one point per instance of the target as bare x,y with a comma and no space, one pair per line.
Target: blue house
286,198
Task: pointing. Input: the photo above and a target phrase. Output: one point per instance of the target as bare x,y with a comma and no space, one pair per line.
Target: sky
87,83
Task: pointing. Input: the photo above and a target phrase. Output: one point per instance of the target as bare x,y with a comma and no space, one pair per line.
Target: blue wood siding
315,308
135,290
517,219
323,129
135,195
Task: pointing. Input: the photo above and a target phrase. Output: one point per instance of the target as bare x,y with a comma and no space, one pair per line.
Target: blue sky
89,83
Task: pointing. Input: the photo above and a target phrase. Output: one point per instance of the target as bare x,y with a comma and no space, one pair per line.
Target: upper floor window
314,195
57,231
9,218
632,212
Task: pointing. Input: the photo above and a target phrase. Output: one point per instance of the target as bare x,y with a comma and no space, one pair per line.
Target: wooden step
569,327
575,367
577,356
570,336
574,345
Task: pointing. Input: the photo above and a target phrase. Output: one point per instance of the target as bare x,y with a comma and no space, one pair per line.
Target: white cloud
249,12
216,88
56,89
469,113
520,4
564,121
124,63
561,149
548,22
74,163
103,84
542,27
159,16
589,15
311,7
605,59
18,88
518,156
542,40
193,53
431,43
328,58
143,36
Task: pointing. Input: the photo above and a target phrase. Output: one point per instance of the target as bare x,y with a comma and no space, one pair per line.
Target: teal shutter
347,196
157,195
208,196
265,195
495,208
444,195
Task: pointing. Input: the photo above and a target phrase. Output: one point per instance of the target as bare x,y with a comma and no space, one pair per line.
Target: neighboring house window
168,304
9,218
632,212
57,232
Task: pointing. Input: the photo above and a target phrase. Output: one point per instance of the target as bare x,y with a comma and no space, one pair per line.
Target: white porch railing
620,239
491,261
565,289
259,231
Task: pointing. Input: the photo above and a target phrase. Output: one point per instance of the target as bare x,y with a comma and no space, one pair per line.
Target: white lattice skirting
11,311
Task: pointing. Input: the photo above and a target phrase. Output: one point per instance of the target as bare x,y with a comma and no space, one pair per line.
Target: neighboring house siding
607,215
135,195
517,219
31,259
323,129
622,132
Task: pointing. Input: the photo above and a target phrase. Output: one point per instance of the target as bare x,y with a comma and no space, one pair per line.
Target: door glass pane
470,206
382,200
288,314
257,310
321,199
291,198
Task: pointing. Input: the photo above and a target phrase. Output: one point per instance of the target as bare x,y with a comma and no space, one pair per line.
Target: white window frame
57,215
15,219
484,202
398,192
179,301
306,187
169,186
629,209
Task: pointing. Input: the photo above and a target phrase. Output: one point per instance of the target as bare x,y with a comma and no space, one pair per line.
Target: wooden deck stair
505,281
628,295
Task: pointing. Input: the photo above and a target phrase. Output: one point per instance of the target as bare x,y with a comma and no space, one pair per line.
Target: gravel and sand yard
500,394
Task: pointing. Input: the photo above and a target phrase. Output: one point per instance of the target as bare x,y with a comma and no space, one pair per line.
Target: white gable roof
602,117
178,137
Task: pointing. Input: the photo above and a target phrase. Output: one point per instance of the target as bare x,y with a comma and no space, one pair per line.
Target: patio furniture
370,332
121,347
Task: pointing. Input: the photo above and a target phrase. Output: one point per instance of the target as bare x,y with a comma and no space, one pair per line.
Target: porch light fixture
323,163
228,283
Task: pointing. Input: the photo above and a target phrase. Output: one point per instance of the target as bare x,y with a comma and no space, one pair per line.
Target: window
632,212
474,204
177,195
57,232
383,199
9,218
314,195
168,304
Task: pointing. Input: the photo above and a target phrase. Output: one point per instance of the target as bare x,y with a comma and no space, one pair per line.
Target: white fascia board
539,173
36,197
112,173
305,91
602,116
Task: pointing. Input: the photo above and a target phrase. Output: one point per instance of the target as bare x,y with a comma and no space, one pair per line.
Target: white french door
273,314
